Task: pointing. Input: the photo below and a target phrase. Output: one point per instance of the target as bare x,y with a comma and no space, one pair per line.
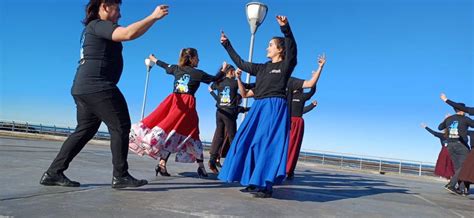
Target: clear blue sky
387,62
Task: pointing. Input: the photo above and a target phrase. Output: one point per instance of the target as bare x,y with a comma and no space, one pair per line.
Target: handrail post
419,172
400,168
380,165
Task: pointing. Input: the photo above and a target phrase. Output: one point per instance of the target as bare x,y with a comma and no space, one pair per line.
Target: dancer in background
467,170
458,148
297,99
95,91
226,114
173,127
257,156
224,147
444,165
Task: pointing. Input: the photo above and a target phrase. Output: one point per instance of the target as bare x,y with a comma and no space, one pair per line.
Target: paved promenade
315,192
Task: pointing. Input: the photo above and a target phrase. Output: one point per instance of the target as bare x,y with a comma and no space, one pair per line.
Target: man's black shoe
50,179
127,181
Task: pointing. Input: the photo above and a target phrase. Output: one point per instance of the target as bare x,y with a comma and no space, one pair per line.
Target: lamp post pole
256,13
148,64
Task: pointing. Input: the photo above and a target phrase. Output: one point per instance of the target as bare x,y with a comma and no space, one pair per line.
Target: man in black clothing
95,91
458,148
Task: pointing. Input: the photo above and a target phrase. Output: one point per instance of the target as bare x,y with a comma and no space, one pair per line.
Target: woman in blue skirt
258,153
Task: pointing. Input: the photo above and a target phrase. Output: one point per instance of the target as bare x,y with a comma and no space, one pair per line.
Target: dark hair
229,67
280,44
186,56
92,9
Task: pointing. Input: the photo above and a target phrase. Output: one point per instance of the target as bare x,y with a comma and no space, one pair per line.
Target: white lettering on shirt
275,71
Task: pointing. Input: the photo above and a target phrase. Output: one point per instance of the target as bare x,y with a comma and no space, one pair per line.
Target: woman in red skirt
297,99
173,127
444,165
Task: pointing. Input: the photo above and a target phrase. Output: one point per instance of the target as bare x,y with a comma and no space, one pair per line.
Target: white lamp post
148,64
256,13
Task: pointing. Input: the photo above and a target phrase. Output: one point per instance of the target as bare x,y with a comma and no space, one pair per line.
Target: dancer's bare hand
223,37
238,74
423,125
160,11
322,60
224,66
443,97
152,58
315,103
209,88
282,20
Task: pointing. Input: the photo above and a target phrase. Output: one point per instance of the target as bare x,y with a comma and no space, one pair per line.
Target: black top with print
457,128
271,78
227,93
187,79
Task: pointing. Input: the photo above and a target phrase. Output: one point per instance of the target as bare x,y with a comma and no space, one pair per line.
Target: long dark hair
280,44
186,57
92,9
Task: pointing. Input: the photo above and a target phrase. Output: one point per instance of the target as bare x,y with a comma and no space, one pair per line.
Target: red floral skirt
173,127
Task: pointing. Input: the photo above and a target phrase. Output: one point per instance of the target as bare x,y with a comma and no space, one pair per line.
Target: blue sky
387,62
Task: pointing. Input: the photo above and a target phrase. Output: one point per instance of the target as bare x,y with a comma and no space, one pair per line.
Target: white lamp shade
256,13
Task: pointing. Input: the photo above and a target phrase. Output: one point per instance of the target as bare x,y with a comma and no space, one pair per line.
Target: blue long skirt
258,153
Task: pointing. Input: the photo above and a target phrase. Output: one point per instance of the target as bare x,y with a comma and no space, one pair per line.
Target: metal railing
45,129
342,160
372,163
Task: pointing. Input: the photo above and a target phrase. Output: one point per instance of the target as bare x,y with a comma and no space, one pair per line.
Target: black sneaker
50,179
452,190
127,181
263,194
249,188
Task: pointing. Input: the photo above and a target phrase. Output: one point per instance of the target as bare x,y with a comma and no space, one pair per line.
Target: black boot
50,179
127,181
290,176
